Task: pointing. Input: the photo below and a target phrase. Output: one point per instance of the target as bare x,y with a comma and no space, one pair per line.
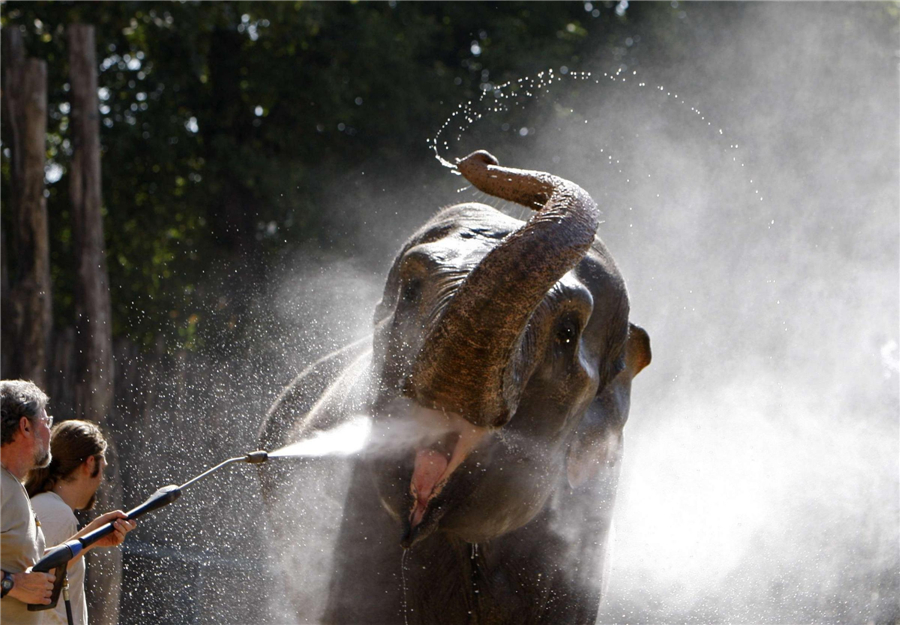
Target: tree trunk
26,293
94,382
94,397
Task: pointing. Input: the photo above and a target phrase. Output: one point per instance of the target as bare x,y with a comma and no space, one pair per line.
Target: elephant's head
496,343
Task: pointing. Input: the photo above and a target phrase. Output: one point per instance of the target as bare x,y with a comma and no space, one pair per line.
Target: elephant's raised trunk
466,365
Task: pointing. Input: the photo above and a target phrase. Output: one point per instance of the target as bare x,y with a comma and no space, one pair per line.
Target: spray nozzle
257,457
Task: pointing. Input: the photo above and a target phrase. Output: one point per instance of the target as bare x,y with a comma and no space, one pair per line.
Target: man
69,483
25,445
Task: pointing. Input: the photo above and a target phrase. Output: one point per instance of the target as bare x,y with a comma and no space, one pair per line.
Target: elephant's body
499,509
548,571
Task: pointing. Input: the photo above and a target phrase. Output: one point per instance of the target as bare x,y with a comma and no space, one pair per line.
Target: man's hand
34,588
122,526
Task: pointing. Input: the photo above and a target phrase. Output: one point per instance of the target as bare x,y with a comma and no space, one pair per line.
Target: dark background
264,161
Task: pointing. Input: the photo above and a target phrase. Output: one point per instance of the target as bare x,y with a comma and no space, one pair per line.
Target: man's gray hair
18,398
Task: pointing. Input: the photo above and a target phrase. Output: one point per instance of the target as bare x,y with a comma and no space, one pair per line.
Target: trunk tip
481,157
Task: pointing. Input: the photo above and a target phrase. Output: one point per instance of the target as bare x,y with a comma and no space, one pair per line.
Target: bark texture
93,329
26,294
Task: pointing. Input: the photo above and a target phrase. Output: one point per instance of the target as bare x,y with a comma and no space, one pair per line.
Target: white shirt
59,524
21,545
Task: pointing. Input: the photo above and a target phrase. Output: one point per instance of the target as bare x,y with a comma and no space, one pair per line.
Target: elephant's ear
637,350
597,443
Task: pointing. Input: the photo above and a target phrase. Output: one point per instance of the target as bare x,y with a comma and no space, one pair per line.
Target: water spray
57,558
345,439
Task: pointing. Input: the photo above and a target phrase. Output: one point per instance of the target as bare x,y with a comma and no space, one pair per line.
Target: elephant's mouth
430,474
436,460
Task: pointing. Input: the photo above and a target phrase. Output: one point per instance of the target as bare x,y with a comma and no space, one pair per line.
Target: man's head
78,449
25,422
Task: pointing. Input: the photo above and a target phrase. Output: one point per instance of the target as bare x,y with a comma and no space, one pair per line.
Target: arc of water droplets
508,94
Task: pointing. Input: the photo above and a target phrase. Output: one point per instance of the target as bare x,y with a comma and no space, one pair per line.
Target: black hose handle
162,497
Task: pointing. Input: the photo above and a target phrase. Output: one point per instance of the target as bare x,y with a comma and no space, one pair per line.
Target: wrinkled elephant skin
500,366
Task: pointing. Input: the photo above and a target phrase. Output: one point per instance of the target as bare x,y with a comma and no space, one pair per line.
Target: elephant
497,379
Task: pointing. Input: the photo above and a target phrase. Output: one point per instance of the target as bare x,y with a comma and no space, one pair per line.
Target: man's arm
121,526
31,587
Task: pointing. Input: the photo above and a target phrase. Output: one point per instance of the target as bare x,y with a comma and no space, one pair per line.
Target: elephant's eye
411,291
619,365
566,333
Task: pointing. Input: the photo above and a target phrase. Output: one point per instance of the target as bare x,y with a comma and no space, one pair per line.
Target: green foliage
223,124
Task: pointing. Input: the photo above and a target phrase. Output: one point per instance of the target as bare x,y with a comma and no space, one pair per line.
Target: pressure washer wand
59,556
255,457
